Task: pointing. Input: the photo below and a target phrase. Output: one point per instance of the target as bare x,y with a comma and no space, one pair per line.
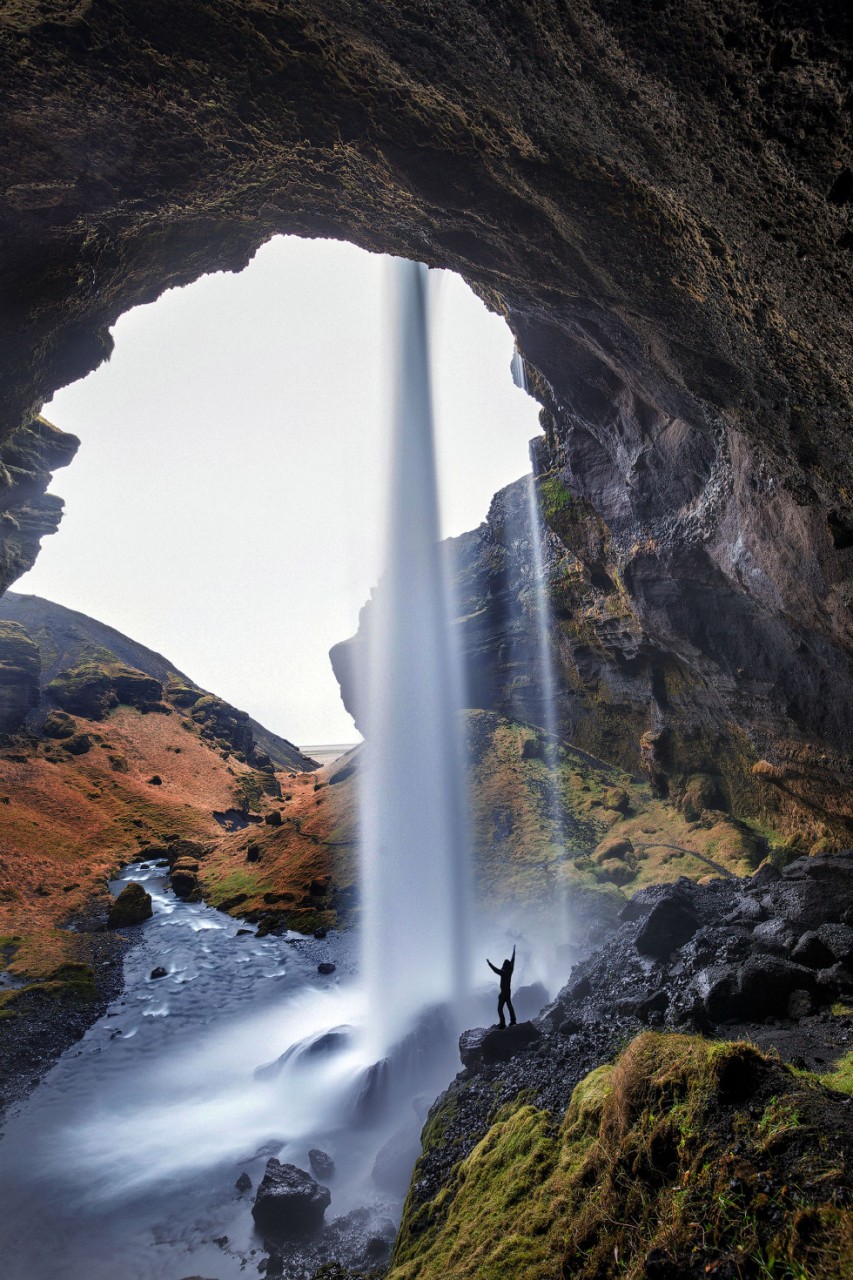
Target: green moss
841,1078
708,1157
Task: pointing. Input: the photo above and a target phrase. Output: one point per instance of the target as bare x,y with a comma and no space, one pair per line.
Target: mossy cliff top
684,1158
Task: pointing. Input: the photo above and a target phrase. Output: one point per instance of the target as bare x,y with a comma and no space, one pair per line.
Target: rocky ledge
766,959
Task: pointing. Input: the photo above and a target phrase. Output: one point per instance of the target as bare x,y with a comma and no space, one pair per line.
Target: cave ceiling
657,196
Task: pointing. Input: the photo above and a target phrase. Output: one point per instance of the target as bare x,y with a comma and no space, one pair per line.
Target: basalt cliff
656,197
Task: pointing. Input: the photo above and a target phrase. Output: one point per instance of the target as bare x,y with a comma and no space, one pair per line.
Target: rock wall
27,511
657,198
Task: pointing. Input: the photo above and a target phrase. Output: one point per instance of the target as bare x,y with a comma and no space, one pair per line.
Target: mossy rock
132,906
616,871
91,689
20,673
614,847
616,799
826,845
58,724
684,1158
78,744
181,695
703,791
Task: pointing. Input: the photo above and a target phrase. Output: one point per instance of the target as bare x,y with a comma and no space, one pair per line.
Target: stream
124,1159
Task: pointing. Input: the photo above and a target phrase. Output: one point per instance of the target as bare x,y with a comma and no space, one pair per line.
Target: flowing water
124,1160
413,829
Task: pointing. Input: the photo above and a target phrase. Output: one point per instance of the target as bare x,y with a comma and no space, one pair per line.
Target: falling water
545,664
412,827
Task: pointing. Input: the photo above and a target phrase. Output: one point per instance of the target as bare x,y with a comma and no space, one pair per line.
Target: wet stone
322,1164
289,1201
668,926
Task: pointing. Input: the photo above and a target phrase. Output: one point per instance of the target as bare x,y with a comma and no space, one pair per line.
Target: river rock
289,1201
243,1183
326,967
184,878
321,1163
132,906
159,972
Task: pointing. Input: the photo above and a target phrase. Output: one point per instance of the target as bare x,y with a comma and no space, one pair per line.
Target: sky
226,507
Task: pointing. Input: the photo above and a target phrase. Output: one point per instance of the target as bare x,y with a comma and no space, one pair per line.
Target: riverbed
124,1159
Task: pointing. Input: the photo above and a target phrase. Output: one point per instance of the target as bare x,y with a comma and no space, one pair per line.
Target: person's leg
511,1011
501,1019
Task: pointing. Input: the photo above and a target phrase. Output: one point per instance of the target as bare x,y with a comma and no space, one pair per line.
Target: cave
652,196
656,199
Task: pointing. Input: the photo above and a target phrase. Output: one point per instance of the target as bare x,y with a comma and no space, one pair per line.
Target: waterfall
545,660
413,832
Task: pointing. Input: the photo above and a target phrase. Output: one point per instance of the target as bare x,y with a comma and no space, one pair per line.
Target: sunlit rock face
657,198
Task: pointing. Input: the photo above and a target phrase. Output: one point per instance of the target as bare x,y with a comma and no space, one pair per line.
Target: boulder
132,906
184,877
616,799
530,1000
78,744
774,935
273,819
326,967
289,1201
838,939
243,1183
703,791
613,847
321,1163
159,972
58,725
761,988
669,924
484,1046
812,951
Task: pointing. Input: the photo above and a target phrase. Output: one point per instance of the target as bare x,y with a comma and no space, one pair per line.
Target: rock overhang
655,200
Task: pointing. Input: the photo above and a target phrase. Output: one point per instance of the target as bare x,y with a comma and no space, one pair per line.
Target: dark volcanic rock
289,1201
27,511
659,207
530,1000
132,906
669,924
723,980
485,1046
322,1164
243,1183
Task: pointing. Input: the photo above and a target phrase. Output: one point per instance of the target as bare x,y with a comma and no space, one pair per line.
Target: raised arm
493,968
512,962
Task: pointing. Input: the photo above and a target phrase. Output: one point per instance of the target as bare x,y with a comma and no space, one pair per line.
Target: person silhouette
505,975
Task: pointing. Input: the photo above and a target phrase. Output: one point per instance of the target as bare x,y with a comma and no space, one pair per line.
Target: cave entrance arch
226,506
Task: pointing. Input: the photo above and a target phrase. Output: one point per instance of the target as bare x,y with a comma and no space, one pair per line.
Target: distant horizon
226,506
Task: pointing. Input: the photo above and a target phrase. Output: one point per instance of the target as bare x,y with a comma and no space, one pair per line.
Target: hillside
65,637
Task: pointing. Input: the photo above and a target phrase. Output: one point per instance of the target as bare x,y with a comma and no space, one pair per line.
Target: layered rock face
27,511
656,197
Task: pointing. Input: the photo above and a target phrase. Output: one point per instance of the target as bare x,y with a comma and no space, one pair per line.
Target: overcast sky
226,505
